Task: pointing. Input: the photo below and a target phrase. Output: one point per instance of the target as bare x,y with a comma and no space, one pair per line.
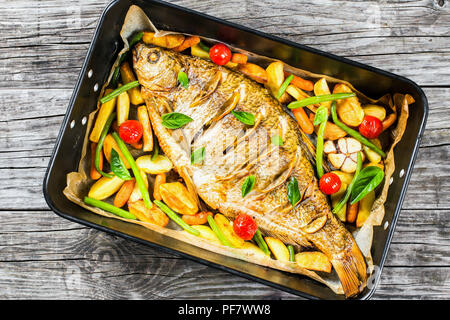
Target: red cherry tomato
130,131
220,54
244,226
330,183
370,127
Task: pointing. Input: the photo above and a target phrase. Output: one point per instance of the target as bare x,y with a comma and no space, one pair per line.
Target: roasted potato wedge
207,233
349,110
147,135
254,72
103,114
275,76
105,187
278,248
123,107
372,156
127,76
365,206
153,215
321,88
344,176
227,230
167,41
136,194
315,260
253,249
178,198
161,164
375,111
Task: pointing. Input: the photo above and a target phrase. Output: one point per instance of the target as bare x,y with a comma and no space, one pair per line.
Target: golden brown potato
365,206
168,41
375,111
178,198
227,230
105,187
254,72
316,261
153,215
349,110
278,248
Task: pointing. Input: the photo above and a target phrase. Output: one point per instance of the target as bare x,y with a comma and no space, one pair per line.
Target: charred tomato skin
130,131
371,127
245,226
329,183
220,54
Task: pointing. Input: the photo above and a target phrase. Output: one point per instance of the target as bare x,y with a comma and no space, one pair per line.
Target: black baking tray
104,47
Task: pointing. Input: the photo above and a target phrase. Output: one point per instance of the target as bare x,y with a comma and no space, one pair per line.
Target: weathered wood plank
72,258
42,50
75,241
388,36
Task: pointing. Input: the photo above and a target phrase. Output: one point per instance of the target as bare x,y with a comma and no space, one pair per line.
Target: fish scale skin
272,211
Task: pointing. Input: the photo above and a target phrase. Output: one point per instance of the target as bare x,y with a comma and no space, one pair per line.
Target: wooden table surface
44,43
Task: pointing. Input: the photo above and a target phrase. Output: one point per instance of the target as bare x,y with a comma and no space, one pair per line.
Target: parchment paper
78,183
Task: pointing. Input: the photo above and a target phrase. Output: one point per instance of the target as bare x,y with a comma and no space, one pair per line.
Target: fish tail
351,269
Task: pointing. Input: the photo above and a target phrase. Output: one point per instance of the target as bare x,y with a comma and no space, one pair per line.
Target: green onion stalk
261,243
344,199
215,228
172,215
109,207
120,90
355,134
137,174
318,99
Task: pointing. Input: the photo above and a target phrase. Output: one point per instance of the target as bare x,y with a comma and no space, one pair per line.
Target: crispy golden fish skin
234,150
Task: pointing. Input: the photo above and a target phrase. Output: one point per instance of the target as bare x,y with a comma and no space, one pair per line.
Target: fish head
156,68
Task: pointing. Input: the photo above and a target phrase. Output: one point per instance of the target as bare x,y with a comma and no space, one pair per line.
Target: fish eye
153,56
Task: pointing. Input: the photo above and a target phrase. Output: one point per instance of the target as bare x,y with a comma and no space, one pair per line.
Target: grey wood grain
43,48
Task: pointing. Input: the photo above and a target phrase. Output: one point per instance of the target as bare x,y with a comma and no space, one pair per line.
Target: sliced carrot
239,58
187,43
124,193
196,219
352,212
138,145
95,175
302,118
159,180
389,121
300,82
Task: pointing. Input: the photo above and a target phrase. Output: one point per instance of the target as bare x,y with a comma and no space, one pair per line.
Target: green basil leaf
248,185
118,167
366,181
293,193
175,120
321,115
244,117
276,140
284,86
183,79
198,155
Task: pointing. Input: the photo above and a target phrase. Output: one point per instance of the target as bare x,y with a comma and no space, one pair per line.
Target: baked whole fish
234,150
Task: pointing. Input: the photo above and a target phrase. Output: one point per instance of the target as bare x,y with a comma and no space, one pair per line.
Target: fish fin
351,269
